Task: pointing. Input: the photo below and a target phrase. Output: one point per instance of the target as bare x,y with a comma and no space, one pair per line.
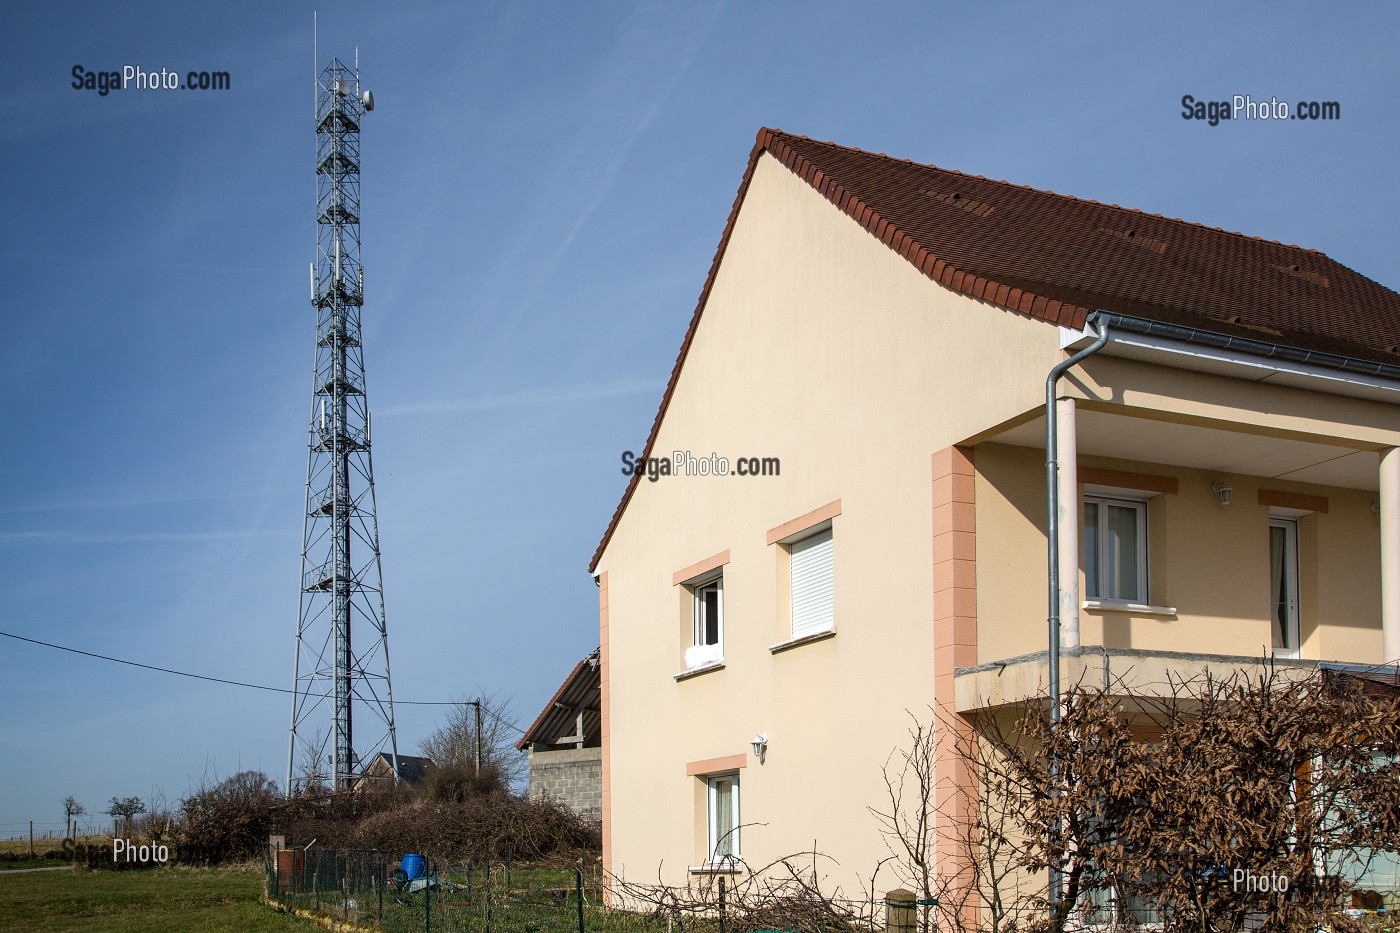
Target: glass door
1283,582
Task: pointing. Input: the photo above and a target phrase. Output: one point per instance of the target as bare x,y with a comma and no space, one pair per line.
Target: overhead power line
232,683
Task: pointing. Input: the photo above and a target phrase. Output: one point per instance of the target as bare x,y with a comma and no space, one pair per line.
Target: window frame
712,839
700,655
715,579
1140,507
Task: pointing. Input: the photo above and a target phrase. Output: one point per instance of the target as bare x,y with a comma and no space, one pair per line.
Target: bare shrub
456,783
1152,803
455,820
785,894
229,820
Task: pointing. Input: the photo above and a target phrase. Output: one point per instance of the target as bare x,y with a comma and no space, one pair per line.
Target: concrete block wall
573,776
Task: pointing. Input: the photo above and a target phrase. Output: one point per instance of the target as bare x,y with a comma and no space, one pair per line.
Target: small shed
565,743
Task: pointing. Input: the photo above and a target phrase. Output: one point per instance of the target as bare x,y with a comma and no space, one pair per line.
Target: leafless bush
229,820
457,783
785,894
1154,803
977,827
479,827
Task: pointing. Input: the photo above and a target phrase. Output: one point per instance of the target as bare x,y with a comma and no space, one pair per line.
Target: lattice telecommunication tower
342,708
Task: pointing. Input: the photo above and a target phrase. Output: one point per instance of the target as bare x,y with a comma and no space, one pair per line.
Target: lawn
22,864
185,899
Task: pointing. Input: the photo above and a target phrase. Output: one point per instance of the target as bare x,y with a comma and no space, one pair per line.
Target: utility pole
477,704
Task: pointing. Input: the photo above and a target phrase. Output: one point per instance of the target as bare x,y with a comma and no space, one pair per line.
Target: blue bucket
415,866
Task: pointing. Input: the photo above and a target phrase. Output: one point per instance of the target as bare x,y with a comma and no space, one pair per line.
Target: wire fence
373,888
57,830
379,890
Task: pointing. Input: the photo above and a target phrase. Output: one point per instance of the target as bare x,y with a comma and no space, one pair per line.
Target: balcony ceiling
1129,438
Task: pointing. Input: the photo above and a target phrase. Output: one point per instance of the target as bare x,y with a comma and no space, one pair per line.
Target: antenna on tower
342,646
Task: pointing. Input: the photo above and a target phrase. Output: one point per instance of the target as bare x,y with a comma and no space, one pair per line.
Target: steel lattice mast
342,646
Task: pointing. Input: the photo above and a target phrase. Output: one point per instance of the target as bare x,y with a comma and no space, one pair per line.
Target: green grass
22,864
164,899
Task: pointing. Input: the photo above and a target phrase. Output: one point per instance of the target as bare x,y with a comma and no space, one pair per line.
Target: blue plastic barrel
415,866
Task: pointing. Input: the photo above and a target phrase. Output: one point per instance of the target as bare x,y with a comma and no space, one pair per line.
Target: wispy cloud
609,128
527,398
82,499
69,258
123,537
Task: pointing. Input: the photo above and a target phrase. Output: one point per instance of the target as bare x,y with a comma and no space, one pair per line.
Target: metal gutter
1263,348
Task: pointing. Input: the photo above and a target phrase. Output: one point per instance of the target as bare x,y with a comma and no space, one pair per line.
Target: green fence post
427,895
578,891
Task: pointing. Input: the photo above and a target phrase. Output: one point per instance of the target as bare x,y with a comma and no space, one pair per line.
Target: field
14,854
185,899
20,847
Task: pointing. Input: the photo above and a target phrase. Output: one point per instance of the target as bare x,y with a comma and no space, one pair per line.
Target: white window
813,605
723,796
707,626
1283,585
1115,549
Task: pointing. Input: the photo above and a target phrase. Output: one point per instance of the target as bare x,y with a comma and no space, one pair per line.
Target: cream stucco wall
822,347
1209,562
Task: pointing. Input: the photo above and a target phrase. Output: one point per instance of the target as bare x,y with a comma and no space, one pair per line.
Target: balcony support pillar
1068,514
1390,554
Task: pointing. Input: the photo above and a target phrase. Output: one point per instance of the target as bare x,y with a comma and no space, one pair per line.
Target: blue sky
544,185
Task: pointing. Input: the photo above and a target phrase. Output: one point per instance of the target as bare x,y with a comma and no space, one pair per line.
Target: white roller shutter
812,603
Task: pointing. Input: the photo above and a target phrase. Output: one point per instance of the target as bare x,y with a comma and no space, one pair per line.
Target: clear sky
544,185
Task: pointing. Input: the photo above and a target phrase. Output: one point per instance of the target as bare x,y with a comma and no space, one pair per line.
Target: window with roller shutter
813,605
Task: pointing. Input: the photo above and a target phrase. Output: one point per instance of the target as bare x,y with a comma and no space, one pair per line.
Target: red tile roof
1058,258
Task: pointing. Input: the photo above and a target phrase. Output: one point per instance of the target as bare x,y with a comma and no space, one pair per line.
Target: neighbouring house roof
412,768
579,693
1058,258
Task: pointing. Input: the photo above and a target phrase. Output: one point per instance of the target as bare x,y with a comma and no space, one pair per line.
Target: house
413,770
874,340
565,743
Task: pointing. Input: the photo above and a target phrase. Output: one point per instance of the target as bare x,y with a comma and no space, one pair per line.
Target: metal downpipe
1052,484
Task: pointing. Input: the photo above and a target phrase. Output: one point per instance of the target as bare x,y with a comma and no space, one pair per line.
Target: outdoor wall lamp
1223,490
760,746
